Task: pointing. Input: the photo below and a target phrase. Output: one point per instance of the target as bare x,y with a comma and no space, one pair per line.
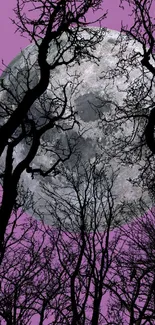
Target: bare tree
132,298
142,30
132,121
84,210
55,19
30,276
63,274
59,274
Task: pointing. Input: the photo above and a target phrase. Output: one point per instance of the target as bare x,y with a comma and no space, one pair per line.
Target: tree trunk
8,201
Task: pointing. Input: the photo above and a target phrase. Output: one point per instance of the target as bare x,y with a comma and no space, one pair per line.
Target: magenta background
12,43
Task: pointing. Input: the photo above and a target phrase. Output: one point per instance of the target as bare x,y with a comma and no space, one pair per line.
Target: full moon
91,91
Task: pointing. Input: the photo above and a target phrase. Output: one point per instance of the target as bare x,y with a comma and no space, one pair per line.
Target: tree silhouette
18,123
132,300
59,274
63,274
142,31
132,119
